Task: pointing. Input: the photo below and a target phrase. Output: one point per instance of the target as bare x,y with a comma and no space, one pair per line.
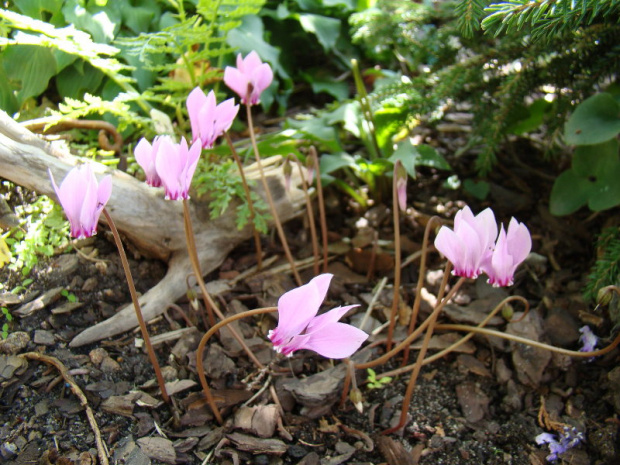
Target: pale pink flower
249,79
209,120
175,165
299,327
471,242
146,154
83,199
510,250
400,178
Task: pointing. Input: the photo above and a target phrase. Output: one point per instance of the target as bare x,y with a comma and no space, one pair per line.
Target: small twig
397,269
311,224
101,451
373,301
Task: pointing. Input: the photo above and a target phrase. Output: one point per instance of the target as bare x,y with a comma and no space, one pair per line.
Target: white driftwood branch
140,212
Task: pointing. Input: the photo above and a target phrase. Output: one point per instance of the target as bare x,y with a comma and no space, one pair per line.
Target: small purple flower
249,79
209,120
299,327
569,438
588,339
83,199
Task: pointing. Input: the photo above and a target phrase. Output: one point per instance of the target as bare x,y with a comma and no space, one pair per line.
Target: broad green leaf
595,120
327,30
101,25
139,17
31,65
412,156
334,161
528,119
75,80
8,102
338,90
41,9
592,180
479,189
388,122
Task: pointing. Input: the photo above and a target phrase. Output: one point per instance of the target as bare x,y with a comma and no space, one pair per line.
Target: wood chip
255,445
393,451
39,303
158,448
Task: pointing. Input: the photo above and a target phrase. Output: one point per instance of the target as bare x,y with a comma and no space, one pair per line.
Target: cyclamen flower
175,165
299,327
146,154
83,199
249,79
510,250
208,120
569,438
470,243
400,178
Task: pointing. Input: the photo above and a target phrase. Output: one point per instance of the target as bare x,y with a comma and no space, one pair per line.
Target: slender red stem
136,306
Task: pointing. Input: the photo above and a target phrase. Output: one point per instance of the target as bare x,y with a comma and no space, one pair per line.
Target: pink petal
519,240
196,100
336,340
237,81
250,63
169,166
332,316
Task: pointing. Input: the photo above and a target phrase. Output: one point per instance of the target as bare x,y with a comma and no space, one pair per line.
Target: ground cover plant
455,272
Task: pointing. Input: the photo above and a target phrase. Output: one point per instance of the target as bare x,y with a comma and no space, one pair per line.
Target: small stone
65,265
44,338
14,343
109,365
97,355
296,452
90,284
169,373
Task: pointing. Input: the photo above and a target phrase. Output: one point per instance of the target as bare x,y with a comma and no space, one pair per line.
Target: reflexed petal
332,316
502,264
335,340
196,100
519,240
169,167
250,63
237,81
105,190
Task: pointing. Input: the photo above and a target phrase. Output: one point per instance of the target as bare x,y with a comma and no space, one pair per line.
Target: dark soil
475,406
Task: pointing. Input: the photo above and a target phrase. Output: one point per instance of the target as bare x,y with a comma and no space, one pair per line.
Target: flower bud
604,296
287,169
355,395
400,178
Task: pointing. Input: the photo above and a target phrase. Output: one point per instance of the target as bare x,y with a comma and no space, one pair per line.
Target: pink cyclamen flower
510,250
300,328
400,178
249,79
175,165
146,154
209,120
470,243
83,199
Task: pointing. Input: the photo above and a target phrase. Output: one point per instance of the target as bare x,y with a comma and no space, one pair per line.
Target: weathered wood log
152,224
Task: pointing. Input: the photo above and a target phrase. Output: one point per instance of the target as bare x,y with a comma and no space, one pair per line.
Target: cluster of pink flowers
475,247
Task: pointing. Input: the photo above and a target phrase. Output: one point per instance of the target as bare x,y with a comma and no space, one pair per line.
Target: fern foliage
497,57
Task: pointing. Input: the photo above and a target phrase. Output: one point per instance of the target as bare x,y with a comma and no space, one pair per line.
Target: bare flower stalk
311,223
209,302
272,206
136,306
248,197
319,194
421,274
397,261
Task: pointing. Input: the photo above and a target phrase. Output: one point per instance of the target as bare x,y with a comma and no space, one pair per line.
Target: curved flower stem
201,347
311,223
248,197
529,342
321,199
136,306
421,276
274,212
418,364
460,342
397,271
412,337
209,302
